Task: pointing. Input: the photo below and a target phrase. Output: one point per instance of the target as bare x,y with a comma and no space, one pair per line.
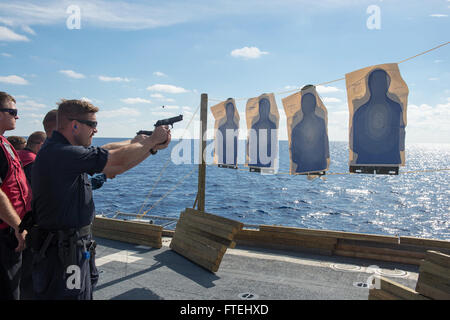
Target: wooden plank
202,142
438,258
218,240
233,223
206,228
270,235
155,236
197,218
194,256
383,251
433,280
435,269
426,242
290,240
376,294
333,234
102,221
400,290
118,237
202,251
205,252
182,231
277,246
374,256
299,237
432,292
128,226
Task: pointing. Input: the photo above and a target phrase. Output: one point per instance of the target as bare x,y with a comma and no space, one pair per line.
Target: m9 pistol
163,122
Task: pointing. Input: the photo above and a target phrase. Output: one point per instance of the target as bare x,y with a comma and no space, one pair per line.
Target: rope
441,45
343,173
288,173
164,168
169,192
340,79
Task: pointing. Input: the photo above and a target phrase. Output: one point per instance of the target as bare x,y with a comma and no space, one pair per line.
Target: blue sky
130,58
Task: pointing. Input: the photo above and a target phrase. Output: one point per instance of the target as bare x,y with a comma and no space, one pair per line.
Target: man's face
85,132
7,120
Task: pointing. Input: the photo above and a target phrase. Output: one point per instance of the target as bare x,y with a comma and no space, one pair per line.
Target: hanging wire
288,173
147,198
340,79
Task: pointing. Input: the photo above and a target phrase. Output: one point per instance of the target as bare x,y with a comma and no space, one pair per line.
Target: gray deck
132,272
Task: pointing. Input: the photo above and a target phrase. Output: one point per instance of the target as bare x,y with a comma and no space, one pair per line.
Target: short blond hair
73,109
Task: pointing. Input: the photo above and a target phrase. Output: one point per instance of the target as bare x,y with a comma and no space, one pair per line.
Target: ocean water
412,204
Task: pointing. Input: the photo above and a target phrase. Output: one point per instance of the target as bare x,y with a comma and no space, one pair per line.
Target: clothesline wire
340,79
344,173
277,93
147,198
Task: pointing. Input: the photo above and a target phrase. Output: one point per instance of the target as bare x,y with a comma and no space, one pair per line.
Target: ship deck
136,272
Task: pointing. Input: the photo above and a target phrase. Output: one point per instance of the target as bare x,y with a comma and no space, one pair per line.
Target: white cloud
28,30
7,34
7,55
331,100
159,74
433,79
248,53
13,79
157,96
30,105
172,107
327,89
137,15
426,123
72,74
135,100
439,15
167,88
113,79
122,112
163,114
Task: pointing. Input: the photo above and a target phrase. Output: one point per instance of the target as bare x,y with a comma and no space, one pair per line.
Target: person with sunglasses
63,207
49,124
15,202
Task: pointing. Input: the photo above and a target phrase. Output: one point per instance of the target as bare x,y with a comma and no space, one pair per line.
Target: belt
5,231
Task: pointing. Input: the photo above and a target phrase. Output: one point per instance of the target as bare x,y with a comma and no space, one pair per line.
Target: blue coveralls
62,200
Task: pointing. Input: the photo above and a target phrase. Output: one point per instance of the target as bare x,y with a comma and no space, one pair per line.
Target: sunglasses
92,124
12,112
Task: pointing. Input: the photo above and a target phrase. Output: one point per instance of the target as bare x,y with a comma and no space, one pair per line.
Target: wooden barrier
391,290
285,239
407,250
204,238
433,282
434,276
128,231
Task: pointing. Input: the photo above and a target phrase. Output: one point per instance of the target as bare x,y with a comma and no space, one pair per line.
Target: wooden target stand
202,237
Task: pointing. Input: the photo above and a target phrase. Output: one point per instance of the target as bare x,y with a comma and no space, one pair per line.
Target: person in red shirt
15,201
28,154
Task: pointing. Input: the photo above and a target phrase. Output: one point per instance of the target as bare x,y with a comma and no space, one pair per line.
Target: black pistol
164,122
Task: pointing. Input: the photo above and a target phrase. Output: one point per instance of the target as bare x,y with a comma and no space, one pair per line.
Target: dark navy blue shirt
62,192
